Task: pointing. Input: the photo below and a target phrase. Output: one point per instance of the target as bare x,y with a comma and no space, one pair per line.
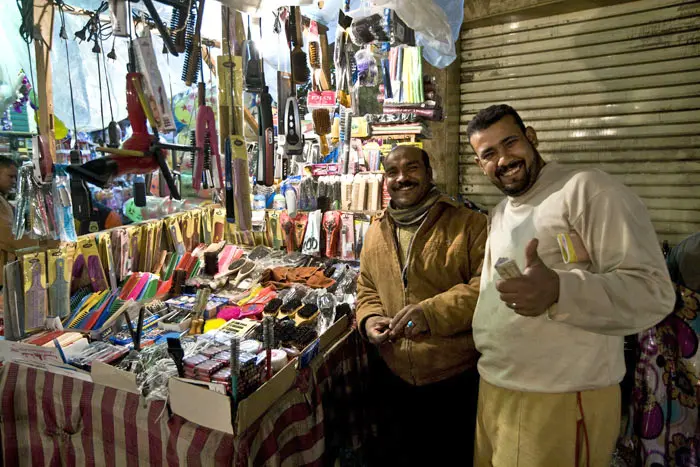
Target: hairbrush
193,43
272,307
306,314
322,127
289,309
300,72
211,263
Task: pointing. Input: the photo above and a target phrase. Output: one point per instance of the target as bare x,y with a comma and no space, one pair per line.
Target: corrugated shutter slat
616,88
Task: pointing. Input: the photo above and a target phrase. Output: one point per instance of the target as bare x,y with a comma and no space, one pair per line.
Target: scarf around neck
414,214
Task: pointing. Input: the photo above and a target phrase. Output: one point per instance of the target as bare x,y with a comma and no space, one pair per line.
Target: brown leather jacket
444,265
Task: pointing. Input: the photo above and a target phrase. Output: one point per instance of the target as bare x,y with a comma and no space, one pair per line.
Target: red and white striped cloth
48,419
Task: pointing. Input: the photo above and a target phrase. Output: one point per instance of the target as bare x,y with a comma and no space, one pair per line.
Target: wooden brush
300,72
322,127
318,77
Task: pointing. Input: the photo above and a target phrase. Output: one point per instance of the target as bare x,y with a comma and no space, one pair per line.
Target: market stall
181,254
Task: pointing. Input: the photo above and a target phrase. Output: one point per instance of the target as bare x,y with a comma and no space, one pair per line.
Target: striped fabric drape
51,420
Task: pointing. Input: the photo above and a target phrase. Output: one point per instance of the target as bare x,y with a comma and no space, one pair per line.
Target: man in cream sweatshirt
551,340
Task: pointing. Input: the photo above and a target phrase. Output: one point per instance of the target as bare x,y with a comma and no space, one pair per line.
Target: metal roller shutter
615,87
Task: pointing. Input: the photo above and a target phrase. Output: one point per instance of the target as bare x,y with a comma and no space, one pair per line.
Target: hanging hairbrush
300,72
322,127
194,44
178,26
319,81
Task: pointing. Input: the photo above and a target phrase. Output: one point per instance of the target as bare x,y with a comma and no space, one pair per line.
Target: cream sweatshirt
622,289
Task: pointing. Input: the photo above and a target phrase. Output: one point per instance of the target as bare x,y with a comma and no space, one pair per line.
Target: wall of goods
253,274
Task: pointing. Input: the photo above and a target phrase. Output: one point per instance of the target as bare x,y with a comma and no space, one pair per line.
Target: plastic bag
430,21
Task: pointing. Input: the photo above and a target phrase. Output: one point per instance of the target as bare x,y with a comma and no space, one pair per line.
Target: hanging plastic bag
63,206
430,21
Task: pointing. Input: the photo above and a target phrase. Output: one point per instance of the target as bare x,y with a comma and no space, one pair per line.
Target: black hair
6,162
423,153
490,115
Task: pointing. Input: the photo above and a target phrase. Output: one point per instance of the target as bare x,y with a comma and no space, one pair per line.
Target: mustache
505,168
398,186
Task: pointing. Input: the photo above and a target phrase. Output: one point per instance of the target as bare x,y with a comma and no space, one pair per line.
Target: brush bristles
235,354
314,55
190,70
300,71
322,121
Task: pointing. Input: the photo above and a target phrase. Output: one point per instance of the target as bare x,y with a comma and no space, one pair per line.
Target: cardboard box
113,377
43,358
197,403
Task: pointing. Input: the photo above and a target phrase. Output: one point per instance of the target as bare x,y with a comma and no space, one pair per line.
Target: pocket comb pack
35,295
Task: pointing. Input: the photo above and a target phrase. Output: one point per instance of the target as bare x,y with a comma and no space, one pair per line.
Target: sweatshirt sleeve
451,312
629,289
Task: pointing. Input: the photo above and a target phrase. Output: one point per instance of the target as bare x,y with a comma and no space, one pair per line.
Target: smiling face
8,179
408,179
508,156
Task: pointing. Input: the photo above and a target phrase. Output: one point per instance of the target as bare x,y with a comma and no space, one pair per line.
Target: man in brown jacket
416,293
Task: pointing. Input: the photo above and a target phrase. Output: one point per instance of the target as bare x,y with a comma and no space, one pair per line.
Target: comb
345,137
92,312
115,305
35,301
59,292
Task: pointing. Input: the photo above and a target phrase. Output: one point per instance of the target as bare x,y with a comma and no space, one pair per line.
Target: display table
50,419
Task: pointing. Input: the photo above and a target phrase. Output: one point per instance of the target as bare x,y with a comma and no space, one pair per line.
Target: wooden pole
43,25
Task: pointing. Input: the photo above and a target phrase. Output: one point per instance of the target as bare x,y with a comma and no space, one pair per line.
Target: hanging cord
109,93
99,82
27,32
64,36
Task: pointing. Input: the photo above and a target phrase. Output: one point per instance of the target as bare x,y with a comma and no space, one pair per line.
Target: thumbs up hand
536,290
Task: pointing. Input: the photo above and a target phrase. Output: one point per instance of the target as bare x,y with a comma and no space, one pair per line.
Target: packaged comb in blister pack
35,293
59,265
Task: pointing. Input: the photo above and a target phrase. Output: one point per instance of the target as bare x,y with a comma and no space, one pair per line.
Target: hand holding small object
535,291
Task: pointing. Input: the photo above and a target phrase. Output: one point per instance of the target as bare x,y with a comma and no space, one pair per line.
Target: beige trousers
527,429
